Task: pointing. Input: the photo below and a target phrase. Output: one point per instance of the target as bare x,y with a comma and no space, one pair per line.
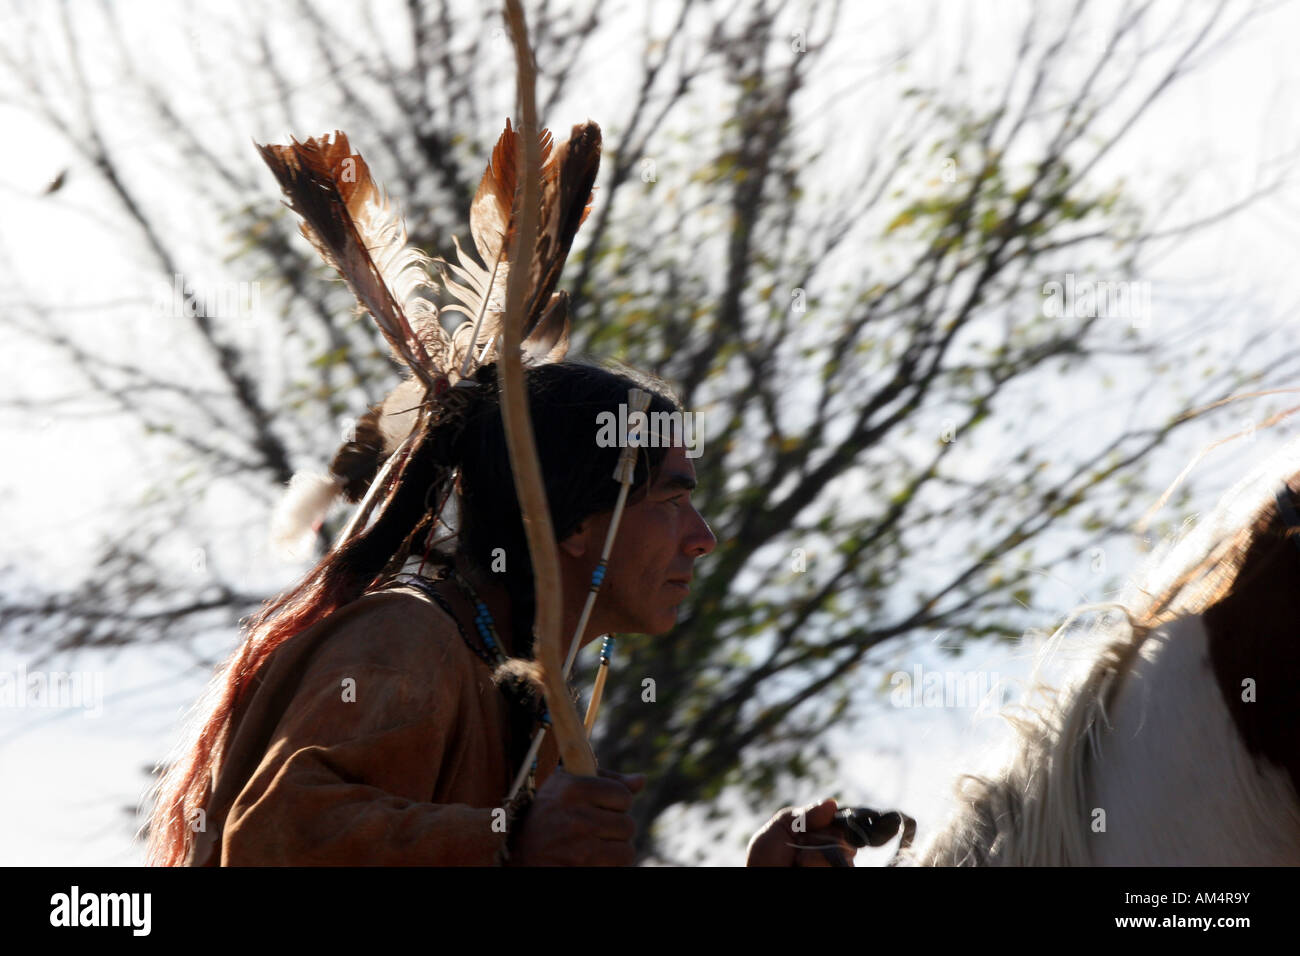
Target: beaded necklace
488,632
482,620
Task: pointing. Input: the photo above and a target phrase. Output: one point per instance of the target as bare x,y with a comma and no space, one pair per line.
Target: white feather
299,514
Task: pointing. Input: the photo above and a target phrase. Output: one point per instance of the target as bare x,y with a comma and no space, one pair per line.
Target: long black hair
565,400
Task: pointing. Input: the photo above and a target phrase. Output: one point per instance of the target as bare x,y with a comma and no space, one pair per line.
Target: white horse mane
1033,812
1030,813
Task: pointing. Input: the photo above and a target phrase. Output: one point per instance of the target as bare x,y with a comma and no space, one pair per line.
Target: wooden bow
565,723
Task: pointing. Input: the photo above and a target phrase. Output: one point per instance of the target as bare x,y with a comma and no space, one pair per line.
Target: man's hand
800,837
579,821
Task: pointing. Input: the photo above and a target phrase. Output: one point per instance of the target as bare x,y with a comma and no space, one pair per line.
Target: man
387,730
584,821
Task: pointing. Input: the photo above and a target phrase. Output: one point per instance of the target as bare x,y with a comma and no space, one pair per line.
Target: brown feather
357,461
549,341
350,223
568,175
348,219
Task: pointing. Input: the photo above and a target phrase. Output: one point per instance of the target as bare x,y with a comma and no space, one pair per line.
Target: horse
1180,745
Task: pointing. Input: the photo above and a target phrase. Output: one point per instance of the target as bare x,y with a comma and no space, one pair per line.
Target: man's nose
699,538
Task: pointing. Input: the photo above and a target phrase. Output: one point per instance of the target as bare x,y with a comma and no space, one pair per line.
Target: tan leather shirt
375,737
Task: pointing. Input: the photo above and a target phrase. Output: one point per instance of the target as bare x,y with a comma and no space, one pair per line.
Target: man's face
653,556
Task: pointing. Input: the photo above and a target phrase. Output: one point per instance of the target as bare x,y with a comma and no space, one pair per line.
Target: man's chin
659,622
666,623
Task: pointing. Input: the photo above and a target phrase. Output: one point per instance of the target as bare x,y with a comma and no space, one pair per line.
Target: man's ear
575,545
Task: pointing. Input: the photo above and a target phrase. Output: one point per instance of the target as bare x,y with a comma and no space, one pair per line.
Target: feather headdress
349,220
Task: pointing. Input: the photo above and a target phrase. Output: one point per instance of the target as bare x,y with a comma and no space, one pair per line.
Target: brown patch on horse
1254,635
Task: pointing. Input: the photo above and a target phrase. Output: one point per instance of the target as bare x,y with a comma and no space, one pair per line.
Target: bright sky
78,774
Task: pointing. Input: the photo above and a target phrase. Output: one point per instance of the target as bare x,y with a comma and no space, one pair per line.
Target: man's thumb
818,815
